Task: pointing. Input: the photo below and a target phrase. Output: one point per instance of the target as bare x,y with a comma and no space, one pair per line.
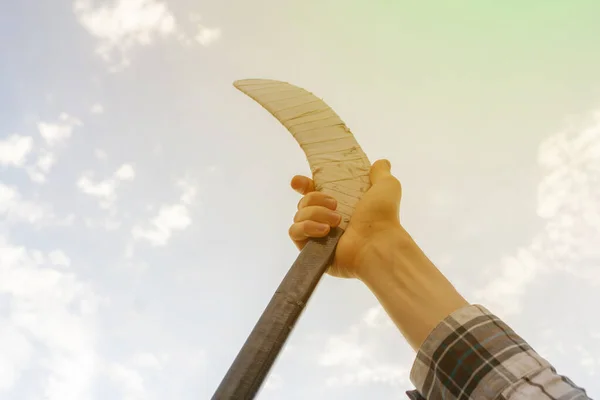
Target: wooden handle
257,355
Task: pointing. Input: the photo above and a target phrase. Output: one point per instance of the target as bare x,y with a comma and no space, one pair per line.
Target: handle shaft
253,362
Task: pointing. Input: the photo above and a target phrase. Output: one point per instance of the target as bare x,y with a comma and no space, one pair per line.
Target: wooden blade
339,166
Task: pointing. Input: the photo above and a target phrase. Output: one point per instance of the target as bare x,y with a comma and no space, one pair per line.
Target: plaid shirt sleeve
472,354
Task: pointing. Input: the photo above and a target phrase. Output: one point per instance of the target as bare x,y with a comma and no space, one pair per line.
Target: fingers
381,173
317,199
313,222
379,170
318,214
301,231
302,184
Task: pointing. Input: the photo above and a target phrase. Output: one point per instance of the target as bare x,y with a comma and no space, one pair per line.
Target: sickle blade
339,166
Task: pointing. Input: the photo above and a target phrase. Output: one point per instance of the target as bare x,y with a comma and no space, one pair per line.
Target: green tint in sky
485,70
161,274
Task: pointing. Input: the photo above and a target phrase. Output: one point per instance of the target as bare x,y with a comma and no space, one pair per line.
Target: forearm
461,348
414,293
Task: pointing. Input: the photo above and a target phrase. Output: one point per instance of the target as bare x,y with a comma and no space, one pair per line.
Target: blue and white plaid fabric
472,354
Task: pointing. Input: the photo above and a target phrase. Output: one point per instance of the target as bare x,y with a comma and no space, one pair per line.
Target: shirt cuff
471,352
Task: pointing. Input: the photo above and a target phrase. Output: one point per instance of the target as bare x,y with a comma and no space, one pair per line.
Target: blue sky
144,202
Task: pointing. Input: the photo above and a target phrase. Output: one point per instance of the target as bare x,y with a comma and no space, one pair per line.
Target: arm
463,351
413,292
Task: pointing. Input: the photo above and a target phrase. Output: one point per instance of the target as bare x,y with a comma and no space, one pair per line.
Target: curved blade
339,166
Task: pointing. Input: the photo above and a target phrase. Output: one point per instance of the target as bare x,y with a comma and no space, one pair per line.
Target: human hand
375,220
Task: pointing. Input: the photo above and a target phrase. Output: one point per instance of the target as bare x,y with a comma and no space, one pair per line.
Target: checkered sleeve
472,354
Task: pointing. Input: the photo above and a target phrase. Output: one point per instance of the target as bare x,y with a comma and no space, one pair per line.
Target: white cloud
274,381
203,35
97,109
377,317
170,218
57,132
125,172
129,380
343,349
569,202
38,171
189,191
108,224
45,161
35,175
14,150
54,134
511,277
207,36
105,190
100,154
14,208
389,374
588,360
16,350
357,356
146,360
45,324
126,24
59,258
145,375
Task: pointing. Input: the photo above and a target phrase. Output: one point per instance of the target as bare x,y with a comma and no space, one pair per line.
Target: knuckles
312,199
312,213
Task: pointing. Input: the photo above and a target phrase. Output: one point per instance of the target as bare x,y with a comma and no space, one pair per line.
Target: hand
375,220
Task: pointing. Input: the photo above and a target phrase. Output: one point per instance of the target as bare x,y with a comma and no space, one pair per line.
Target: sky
144,202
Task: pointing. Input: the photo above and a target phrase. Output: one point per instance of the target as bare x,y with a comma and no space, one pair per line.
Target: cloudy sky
144,202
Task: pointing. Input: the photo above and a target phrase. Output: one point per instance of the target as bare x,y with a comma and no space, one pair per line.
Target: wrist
382,251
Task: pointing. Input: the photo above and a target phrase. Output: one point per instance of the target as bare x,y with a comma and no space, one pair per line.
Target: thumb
379,170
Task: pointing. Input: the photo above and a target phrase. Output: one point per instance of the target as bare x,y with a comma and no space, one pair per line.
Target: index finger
303,184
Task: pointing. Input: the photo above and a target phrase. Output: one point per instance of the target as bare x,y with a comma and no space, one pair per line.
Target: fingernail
331,203
322,228
335,217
